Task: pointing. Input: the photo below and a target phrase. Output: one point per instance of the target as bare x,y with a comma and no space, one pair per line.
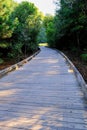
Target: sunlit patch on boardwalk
36,121
70,71
5,93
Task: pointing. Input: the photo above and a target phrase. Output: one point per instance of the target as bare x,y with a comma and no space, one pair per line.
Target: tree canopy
68,29
70,23
6,25
19,27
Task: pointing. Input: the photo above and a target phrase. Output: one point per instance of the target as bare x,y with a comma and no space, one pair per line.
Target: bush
84,57
1,61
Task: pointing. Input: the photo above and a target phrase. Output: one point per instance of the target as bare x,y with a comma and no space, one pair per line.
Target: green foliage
19,28
71,24
4,45
15,51
42,38
6,24
49,26
26,32
1,60
84,57
68,29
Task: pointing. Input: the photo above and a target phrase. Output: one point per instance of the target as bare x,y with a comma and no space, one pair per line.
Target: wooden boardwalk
42,95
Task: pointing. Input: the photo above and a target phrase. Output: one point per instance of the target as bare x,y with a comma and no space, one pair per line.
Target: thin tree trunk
78,43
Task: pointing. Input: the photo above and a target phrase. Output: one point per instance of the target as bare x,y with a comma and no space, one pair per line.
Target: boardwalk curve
42,95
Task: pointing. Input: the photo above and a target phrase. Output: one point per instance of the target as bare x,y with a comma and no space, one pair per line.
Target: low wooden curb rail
79,77
18,65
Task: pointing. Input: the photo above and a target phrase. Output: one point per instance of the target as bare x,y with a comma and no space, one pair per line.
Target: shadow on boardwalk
42,95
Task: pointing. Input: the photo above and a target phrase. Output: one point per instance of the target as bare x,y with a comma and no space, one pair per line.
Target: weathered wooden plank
42,95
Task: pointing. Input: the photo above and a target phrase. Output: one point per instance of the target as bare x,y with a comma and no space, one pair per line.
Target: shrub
1,61
84,57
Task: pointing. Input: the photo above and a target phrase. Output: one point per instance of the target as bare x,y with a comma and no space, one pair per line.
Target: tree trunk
78,43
